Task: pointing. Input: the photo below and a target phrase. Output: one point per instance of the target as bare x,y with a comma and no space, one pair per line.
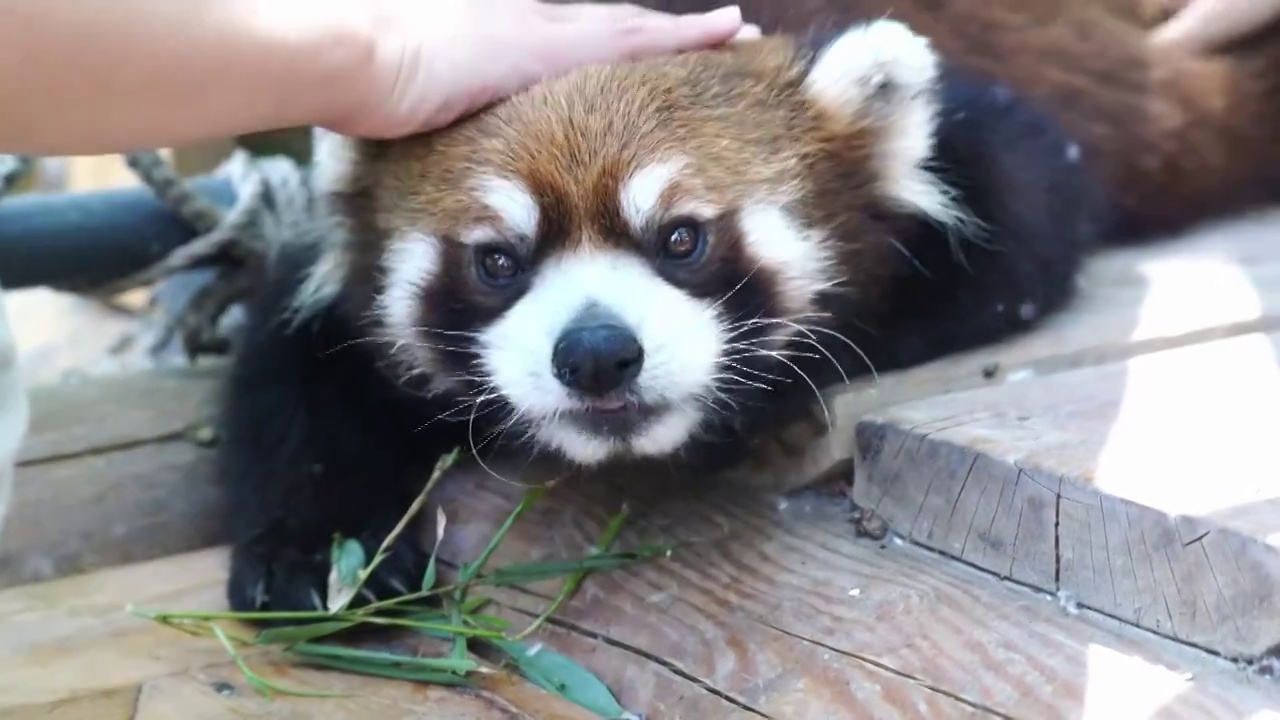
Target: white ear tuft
885,74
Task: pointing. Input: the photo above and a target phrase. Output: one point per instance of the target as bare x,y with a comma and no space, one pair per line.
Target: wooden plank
1147,489
97,510
74,418
221,692
785,611
70,650
776,612
1132,301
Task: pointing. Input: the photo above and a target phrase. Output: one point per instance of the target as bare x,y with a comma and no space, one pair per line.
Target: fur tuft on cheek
802,261
410,262
883,74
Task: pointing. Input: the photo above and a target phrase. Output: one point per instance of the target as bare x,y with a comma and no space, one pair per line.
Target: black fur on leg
317,440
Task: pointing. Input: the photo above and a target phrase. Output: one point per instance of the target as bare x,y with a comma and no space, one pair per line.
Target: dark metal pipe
79,241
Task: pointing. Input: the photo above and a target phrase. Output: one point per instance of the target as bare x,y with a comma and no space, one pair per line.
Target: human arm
87,76
1207,25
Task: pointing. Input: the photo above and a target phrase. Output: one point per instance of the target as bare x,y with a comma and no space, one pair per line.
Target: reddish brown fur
1180,137
739,115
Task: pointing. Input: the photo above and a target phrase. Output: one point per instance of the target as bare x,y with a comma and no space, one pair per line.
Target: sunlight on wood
1225,294
1124,686
1195,430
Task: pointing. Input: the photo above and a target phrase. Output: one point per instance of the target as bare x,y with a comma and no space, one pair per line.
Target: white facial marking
409,264
577,444
885,71
801,259
513,202
642,191
683,338
667,432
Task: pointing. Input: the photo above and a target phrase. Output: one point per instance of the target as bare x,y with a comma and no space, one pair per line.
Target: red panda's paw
276,575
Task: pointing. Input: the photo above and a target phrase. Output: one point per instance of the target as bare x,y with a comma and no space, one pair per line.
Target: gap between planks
1148,490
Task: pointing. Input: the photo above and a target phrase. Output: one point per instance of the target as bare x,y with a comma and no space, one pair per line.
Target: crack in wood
1091,610
1197,539
919,682
104,449
667,665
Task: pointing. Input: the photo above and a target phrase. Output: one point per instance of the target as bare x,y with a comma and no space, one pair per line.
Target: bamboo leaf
293,634
429,577
558,674
347,560
377,657
387,671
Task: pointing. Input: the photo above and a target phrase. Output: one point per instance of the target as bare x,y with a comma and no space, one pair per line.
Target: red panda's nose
597,359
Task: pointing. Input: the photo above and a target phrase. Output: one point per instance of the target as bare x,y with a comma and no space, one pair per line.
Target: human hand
1209,25
438,61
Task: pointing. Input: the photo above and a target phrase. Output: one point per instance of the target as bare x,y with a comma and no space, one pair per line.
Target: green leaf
348,560
387,671
473,604
558,674
468,571
429,577
293,634
491,621
377,657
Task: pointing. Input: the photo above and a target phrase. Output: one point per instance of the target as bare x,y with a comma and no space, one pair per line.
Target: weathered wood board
769,612
780,610
1147,489
783,609
68,649
1217,281
112,472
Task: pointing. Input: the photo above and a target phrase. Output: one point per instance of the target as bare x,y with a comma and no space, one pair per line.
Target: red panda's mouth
609,405
615,417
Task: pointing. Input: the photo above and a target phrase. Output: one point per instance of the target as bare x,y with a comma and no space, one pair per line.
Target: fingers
749,31
626,31
1207,25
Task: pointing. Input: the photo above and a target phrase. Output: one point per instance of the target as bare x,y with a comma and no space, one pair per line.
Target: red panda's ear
884,75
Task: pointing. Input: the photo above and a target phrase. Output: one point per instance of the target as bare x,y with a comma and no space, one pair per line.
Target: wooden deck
1083,523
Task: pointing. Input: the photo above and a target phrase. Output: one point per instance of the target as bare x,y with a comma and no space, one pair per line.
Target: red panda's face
610,259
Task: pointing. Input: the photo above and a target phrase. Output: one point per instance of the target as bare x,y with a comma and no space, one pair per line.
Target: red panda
656,259
1178,138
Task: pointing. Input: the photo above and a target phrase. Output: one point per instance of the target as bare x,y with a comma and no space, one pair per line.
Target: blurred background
63,337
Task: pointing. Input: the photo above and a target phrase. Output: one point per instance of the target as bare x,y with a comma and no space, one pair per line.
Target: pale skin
90,76
1210,25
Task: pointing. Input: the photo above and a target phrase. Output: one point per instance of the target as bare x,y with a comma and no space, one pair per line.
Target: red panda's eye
497,265
683,241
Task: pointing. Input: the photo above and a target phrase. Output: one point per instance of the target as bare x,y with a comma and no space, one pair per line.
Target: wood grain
1147,489
69,649
109,412
113,471
780,607
102,509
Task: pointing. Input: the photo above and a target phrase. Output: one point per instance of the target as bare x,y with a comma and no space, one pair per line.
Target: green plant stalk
262,685
574,581
442,465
